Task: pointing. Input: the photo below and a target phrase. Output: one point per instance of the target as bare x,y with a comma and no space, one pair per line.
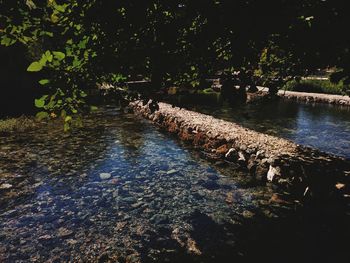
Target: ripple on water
325,127
118,189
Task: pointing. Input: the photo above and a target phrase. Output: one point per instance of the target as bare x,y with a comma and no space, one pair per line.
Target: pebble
159,219
114,181
64,232
72,241
340,186
248,214
93,220
137,205
45,237
229,198
105,176
6,186
172,171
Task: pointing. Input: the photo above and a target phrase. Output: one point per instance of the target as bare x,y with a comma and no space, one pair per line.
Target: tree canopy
73,45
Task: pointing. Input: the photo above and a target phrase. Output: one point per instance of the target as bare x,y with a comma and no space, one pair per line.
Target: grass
207,91
19,124
316,86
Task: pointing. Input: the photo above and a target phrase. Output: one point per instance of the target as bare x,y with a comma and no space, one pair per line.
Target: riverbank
316,85
315,97
302,170
309,97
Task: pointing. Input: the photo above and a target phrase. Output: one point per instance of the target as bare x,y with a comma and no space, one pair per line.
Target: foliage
65,66
317,86
341,78
75,45
275,67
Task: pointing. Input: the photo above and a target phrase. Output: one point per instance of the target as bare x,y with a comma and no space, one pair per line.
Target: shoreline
302,170
309,97
315,97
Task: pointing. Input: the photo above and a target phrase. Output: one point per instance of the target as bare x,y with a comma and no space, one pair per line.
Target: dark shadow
19,88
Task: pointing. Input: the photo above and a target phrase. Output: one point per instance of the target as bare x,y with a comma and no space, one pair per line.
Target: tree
75,44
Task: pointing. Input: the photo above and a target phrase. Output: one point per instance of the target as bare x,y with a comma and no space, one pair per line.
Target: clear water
325,127
161,203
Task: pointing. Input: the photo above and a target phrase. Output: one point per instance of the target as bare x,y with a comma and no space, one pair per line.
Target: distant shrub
208,90
316,86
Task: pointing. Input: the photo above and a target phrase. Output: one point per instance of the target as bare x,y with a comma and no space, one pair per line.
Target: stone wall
315,97
309,97
301,170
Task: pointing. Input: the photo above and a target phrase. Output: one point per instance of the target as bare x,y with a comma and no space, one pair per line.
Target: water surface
119,190
325,127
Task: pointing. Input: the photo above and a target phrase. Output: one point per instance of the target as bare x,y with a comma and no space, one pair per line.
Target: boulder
274,171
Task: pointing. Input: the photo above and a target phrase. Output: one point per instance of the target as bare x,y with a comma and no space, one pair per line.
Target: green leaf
48,56
59,55
44,81
76,63
60,8
43,60
40,103
34,67
82,44
83,94
30,4
7,41
66,127
45,33
63,113
42,115
93,108
51,104
54,17
68,118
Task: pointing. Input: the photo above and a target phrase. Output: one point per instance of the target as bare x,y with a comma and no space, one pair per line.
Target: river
120,190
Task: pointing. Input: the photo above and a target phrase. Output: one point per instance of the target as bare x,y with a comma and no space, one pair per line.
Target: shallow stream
322,126
120,190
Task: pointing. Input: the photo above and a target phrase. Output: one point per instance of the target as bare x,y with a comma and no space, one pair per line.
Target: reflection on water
119,190
322,126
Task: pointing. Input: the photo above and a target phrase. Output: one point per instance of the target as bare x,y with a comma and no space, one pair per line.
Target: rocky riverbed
121,190
302,170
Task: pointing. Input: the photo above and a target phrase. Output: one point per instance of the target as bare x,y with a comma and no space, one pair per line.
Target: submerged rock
261,172
6,186
159,219
273,173
232,155
255,151
105,176
229,198
172,171
275,198
241,158
223,149
64,232
248,214
192,247
45,237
